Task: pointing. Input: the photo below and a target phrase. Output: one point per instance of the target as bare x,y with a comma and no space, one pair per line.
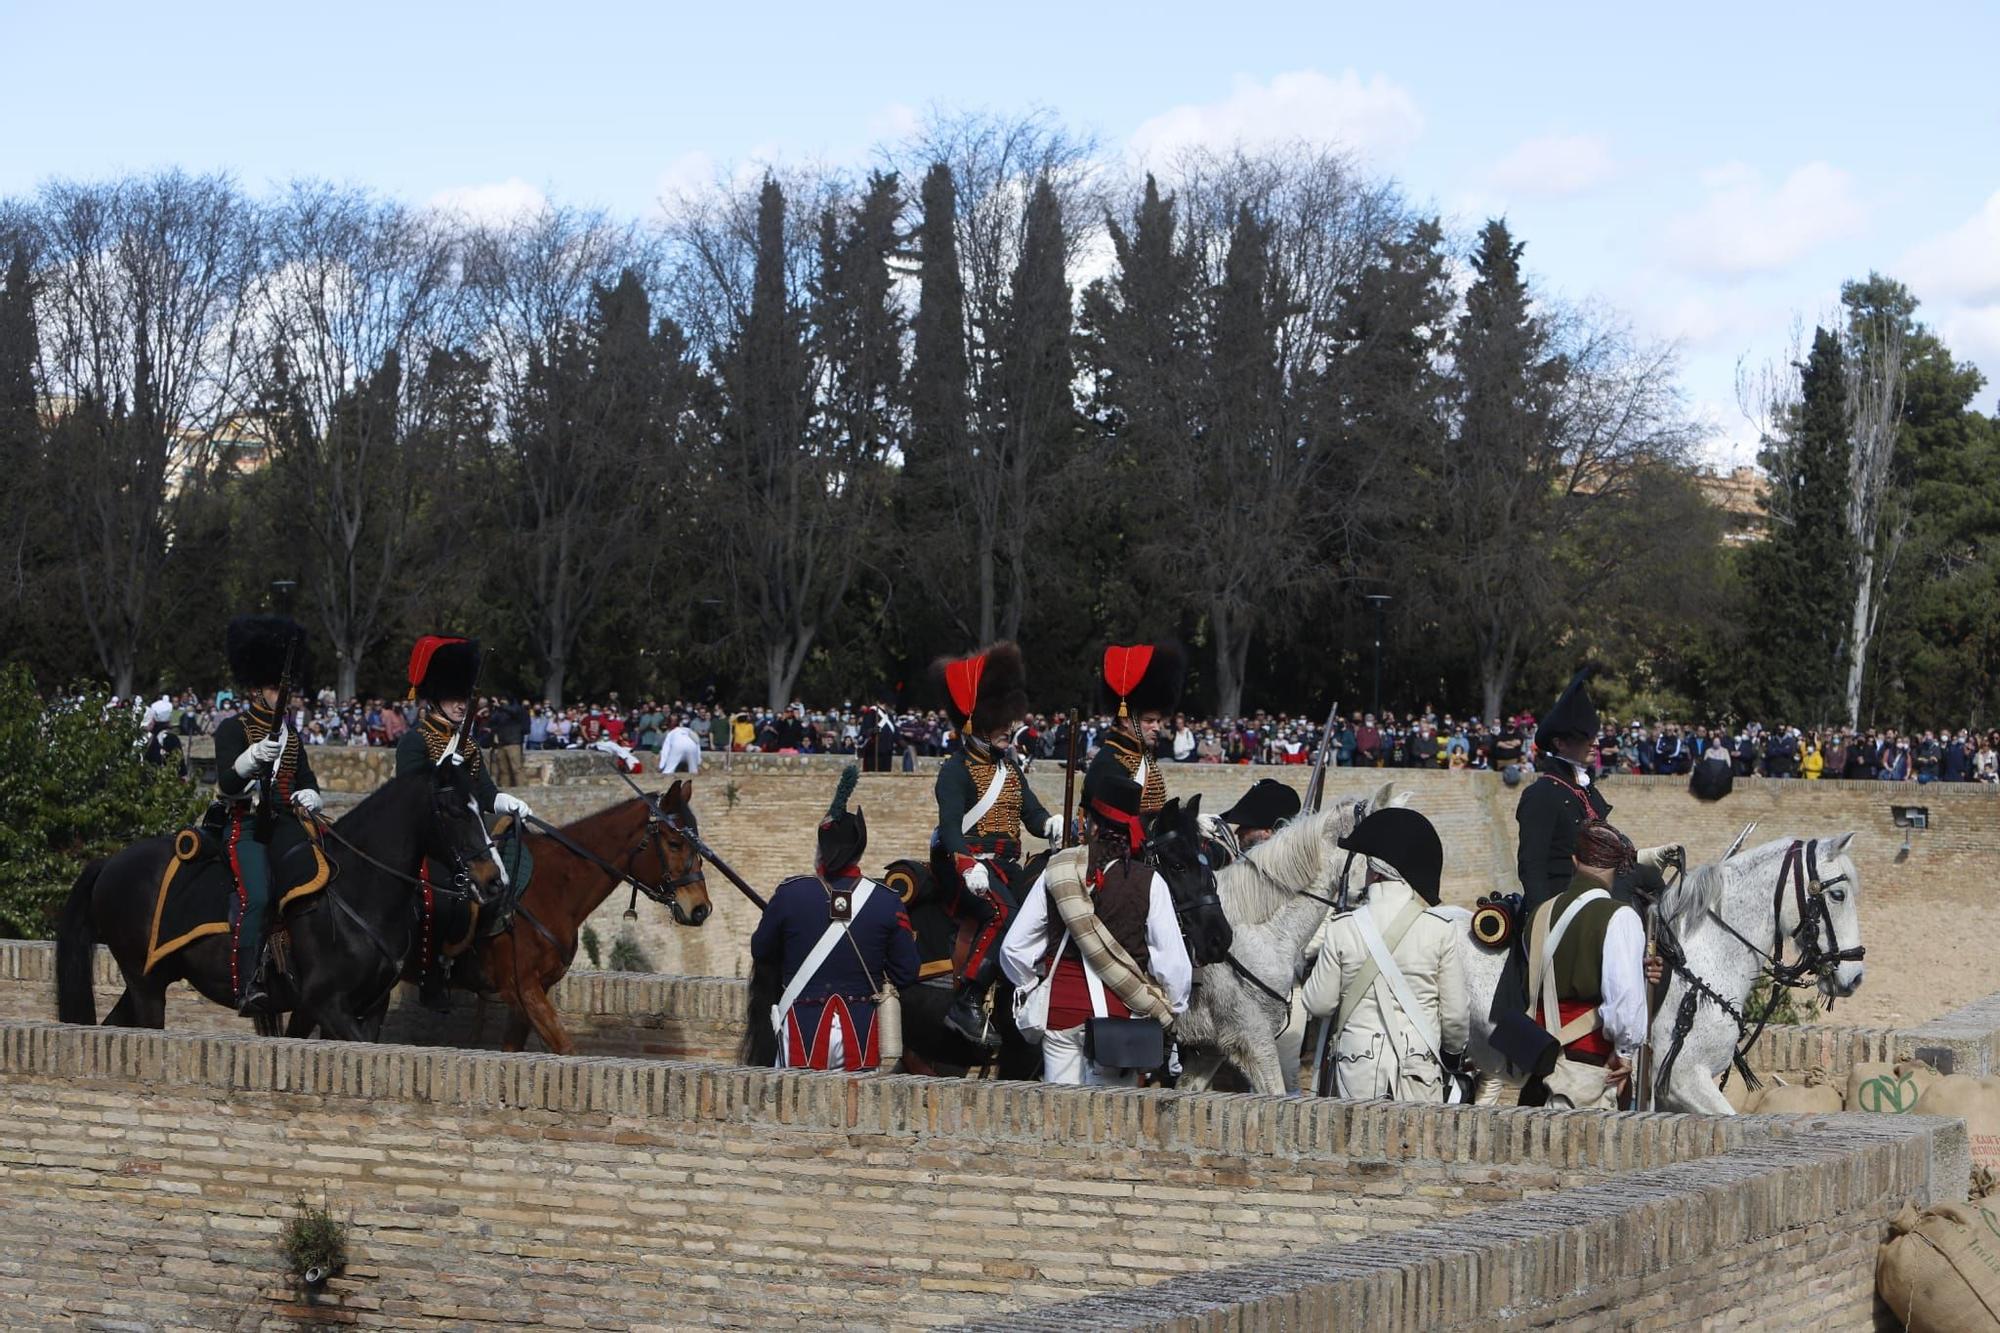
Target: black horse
348,940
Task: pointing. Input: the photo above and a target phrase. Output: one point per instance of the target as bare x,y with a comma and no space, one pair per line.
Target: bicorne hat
1574,713
1267,804
1405,841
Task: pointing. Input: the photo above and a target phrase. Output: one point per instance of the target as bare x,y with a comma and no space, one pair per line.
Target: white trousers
1063,1062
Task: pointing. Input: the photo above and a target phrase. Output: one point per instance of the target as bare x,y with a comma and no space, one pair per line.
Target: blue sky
1710,171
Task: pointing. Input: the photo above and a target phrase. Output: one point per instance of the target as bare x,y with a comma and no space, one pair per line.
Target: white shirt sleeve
1027,939
1165,950
1623,1011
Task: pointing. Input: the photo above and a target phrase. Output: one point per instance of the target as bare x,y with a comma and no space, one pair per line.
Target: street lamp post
1380,601
281,595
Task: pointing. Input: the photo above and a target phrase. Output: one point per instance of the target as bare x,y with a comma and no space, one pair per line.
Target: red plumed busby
985,691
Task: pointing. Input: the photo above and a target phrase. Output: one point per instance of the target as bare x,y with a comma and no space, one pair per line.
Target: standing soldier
984,804
262,776
1140,686
835,938
1388,968
1562,798
442,671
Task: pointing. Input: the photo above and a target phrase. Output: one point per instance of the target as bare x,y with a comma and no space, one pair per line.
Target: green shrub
628,955
592,945
314,1239
72,787
1791,1006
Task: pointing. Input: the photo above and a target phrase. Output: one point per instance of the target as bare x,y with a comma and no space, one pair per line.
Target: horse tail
76,951
759,1048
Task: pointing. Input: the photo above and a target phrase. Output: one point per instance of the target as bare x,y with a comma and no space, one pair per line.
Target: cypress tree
937,387
1793,657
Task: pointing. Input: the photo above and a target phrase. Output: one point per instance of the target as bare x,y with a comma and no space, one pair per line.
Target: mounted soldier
1587,978
836,939
1389,968
1562,799
442,672
984,804
1268,806
265,789
1100,927
1140,685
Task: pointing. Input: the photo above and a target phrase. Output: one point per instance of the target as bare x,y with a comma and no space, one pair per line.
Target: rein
1800,873
327,829
618,875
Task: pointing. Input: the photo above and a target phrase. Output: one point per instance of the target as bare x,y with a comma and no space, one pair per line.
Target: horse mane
1706,886
388,793
1282,866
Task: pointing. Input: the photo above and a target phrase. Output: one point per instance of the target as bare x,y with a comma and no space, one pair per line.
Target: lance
1316,786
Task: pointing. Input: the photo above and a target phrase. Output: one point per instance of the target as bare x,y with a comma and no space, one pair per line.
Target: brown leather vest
1122,903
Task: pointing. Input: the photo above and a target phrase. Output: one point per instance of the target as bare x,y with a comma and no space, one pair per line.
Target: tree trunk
124,673
1858,634
1232,654
988,611
552,681
345,683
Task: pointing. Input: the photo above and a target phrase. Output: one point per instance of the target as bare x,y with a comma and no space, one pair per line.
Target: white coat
1380,1052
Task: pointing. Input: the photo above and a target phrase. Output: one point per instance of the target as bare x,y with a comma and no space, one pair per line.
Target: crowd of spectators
885,737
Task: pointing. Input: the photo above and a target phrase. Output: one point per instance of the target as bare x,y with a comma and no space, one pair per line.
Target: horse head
1828,930
455,834
672,830
1175,848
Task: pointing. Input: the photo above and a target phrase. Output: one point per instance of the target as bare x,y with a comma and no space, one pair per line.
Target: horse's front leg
1198,1069
535,1004
1692,1088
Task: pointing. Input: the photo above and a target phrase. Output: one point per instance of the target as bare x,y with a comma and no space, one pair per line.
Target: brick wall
148,1175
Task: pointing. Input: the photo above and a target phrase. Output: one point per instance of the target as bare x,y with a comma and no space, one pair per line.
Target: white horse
1275,896
1726,916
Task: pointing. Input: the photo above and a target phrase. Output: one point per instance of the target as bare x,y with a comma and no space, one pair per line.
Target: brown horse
643,842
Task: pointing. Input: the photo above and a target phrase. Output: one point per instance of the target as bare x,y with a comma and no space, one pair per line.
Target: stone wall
149,1174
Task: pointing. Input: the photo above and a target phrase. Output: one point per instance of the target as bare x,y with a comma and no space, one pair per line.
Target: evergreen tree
1491,570
20,434
1792,658
939,400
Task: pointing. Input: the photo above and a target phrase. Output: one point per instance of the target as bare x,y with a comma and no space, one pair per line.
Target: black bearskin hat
843,834
257,647
1405,840
1142,678
1574,713
985,691
443,667
1267,804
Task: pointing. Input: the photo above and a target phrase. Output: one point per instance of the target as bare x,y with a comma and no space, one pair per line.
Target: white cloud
499,201
1748,226
1371,115
1554,164
1961,265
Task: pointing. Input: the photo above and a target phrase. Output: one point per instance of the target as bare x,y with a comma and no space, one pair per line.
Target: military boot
968,1016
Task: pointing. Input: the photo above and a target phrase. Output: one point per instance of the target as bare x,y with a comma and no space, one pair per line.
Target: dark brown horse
644,842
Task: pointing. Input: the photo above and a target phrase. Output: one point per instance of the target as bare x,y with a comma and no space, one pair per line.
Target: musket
458,732
1316,786
261,829
1737,846
1069,781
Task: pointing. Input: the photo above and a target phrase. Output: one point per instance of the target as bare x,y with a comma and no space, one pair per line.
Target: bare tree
1878,515
355,290
140,305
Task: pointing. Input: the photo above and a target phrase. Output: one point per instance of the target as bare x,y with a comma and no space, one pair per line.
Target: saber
1737,846
707,852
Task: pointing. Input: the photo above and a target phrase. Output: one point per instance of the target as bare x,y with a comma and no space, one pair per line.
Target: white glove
976,878
1053,830
261,755
308,800
508,804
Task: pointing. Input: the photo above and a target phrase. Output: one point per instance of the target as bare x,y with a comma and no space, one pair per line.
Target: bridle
651,836
1187,904
1814,963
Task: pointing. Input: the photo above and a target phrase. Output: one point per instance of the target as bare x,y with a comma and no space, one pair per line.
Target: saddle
197,894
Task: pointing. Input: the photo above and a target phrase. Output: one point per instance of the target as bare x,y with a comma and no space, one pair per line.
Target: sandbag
1939,1271
1888,1089
1973,1100
1741,1097
1816,1095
